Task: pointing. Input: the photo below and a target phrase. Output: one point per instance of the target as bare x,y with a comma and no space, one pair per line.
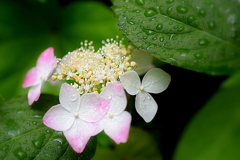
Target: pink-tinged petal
34,93
58,118
32,78
93,107
146,106
46,57
117,97
117,127
79,134
131,82
69,98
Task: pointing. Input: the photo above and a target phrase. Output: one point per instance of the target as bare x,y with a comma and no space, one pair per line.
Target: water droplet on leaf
149,32
150,12
169,10
140,2
191,18
202,12
203,42
211,25
37,143
159,26
182,9
20,154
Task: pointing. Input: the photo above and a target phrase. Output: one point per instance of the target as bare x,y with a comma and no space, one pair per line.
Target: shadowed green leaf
214,133
24,136
198,35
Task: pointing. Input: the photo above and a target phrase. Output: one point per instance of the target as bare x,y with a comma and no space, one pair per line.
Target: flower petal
34,93
93,107
79,134
117,127
156,80
146,106
117,97
32,78
131,82
58,118
46,58
69,98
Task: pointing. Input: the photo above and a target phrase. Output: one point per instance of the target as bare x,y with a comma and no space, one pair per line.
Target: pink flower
76,116
39,74
116,123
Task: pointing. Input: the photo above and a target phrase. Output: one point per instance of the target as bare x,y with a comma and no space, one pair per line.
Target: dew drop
131,22
34,122
140,2
169,1
37,143
159,26
154,38
73,97
203,42
190,19
145,37
150,12
58,139
149,32
202,12
211,25
198,55
161,39
137,11
180,29
19,153
182,9
169,10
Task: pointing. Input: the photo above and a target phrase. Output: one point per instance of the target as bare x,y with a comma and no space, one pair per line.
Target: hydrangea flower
75,115
36,76
116,123
154,81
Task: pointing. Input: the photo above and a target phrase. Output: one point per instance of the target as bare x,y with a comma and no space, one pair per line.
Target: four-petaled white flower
39,74
76,116
155,81
116,123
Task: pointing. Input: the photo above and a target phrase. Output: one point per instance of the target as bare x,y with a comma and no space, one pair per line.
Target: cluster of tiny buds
90,71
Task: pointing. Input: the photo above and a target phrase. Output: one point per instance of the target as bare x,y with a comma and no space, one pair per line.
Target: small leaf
24,136
197,35
214,133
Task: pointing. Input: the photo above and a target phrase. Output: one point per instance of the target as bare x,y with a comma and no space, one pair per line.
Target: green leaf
24,136
140,146
198,35
214,133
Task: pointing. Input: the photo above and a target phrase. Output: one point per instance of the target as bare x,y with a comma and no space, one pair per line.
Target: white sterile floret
154,81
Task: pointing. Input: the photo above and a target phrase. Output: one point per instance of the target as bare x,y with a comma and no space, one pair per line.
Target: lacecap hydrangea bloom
92,97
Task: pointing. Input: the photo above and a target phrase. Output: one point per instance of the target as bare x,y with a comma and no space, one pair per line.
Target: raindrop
37,143
169,1
34,122
137,11
191,18
19,153
159,26
202,12
161,39
154,38
140,2
182,9
131,22
150,12
203,42
198,55
73,97
145,37
169,10
149,32
60,140
211,25
180,29
48,131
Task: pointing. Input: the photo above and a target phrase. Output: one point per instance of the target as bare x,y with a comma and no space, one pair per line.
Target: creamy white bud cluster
90,70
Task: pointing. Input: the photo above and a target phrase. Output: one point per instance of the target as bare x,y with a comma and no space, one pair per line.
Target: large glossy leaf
24,136
198,35
214,133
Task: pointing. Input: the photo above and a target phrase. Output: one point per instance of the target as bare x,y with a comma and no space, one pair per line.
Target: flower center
110,115
76,115
141,88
